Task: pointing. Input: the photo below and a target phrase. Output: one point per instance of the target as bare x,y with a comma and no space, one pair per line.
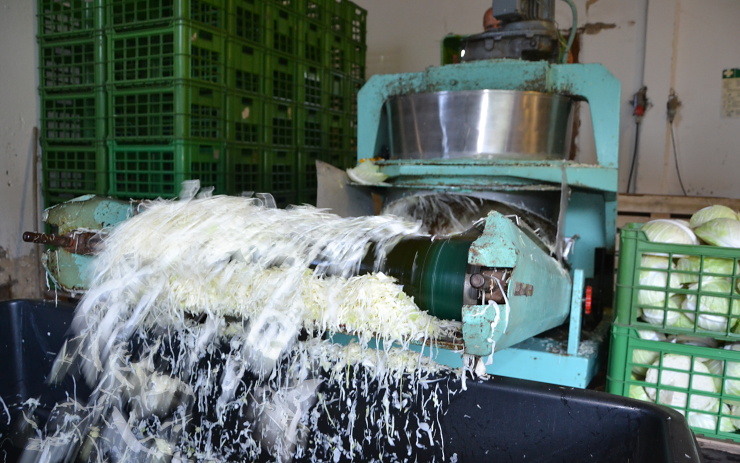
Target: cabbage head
708,213
732,374
669,231
677,371
645,357
657,298
716,309
707,421
720,232
690,269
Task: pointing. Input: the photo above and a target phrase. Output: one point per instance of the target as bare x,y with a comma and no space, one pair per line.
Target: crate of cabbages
676,336
682,277
698,377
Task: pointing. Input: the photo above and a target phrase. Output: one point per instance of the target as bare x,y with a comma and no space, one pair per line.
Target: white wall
18,117
698,40
685,46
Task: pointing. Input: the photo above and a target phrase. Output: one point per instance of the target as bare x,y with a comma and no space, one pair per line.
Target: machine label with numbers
731,92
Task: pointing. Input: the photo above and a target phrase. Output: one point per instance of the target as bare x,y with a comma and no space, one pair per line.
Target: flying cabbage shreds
367,173
212,299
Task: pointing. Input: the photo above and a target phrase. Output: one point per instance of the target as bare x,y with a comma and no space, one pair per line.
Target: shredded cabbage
204,336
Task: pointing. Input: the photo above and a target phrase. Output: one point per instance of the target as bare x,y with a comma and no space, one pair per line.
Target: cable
671,110
573,30
634,157
675,158
640,104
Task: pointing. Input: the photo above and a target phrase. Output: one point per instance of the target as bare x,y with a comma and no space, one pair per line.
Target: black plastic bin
498,420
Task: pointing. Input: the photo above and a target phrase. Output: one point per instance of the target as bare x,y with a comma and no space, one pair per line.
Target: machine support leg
574,332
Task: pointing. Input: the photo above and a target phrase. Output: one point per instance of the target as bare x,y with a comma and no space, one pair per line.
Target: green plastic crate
314,11
64,19
307,175
357,61
677,299
71,171
358,23
247,21
152,171
76,119
282,175
311,123
245,118
246,67
184,110
312,86
142,14
280,124
246,168
700,382
282,29
339,90
281,76
341,159
338,128
339,53
339,20
184,50
71,65
312,39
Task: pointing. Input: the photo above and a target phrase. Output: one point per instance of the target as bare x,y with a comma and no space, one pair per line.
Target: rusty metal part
77,243
496,284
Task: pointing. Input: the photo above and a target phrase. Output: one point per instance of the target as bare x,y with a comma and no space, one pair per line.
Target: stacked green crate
246,98
676,338
243,94
71,77
167,96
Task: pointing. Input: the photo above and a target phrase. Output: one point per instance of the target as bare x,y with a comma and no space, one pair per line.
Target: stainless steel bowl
495,124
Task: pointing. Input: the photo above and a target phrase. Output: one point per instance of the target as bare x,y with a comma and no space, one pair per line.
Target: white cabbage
713,310
691,267
708,213
709,421
657,298
720,232
732,374
645,357
678,371
638,392
669,231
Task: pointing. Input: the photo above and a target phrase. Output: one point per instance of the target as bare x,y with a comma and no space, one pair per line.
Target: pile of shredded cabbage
206,336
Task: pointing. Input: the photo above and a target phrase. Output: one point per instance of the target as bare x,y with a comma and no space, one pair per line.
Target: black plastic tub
497,420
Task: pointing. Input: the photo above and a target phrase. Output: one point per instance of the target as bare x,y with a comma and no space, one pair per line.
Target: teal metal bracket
538,291
74,272
481,324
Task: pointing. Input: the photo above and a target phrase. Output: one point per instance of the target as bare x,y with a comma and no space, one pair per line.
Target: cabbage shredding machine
497,129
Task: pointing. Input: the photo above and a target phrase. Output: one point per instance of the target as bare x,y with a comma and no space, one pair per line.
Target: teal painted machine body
69,270
589,216
538,289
